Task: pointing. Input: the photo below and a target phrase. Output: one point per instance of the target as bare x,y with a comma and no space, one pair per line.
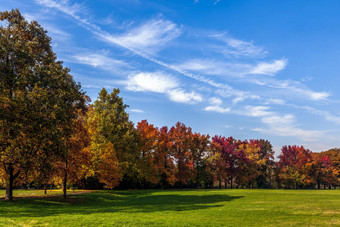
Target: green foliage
38,97
112,128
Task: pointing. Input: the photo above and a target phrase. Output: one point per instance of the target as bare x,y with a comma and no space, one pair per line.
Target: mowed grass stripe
178,208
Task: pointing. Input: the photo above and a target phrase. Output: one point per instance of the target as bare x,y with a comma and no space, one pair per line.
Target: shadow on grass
104,202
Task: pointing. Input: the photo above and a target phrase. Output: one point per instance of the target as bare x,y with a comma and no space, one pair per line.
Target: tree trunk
225,184
219,184
65,184
9,183
45,189
319,185
84,183
231,183
197,177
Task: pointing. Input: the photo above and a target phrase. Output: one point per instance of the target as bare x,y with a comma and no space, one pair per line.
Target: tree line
51,136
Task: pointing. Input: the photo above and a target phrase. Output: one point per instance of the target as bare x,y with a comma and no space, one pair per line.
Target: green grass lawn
34,193
178,208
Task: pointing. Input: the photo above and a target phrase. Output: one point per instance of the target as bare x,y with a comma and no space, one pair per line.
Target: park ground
236,207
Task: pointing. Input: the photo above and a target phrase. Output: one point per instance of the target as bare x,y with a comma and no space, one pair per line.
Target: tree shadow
110,202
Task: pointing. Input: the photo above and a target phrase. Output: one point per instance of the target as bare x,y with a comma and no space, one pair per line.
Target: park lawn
236,207
35,193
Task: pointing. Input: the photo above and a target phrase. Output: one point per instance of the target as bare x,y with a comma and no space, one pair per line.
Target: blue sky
247,69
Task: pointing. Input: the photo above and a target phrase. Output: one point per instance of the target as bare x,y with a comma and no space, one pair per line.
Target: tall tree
148,141
38,97
113,126
200,150
293,160
181,137
233,157
164,160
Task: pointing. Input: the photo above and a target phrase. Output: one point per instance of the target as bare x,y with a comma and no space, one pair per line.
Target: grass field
35,193
178,208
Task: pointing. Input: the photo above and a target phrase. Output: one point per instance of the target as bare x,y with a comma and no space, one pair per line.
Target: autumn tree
261,160
114,136
233,158
148,142
38,97
200,151
163,159
181,136
292,165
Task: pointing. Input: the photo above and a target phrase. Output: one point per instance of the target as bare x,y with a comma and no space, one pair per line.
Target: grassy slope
178,208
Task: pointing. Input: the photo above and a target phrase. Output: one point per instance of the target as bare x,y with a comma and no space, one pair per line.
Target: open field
178,208
36,193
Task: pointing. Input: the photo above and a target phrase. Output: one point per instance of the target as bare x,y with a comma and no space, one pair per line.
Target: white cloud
269,68
280,120
285,126
275,101
136,111
215,101
178,95
158,82
327,115
218,109
99,60
215,67
149,37
237,47
63,5
257,111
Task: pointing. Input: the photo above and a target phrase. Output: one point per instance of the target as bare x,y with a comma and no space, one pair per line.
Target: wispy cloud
215,67
327,115
158,82
217,108
257,111
296,88
215,101
286,126
150,36
100,60
179,95
217,1
237,47
269,68
64,6
136,111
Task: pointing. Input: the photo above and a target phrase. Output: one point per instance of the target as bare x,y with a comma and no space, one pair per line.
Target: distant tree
148,141
292,166
233,158
181,137
164,160
38,98
334,157
200,151
261,160
115,133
